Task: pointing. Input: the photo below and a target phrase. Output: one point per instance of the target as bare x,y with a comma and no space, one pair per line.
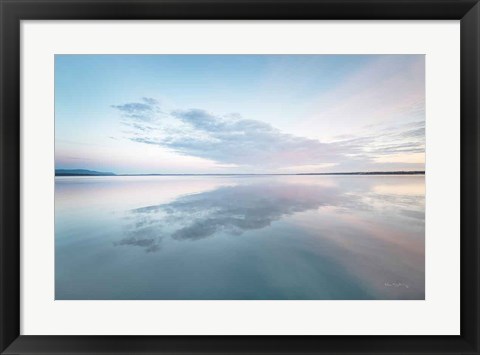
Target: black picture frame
14,11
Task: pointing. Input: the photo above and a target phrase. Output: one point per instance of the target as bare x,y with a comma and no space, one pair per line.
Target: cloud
388,89
245,142
142,111
234,140
392,139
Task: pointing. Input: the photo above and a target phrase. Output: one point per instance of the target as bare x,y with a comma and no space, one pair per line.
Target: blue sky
239,113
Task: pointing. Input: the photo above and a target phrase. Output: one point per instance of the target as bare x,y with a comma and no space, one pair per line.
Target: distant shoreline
65,173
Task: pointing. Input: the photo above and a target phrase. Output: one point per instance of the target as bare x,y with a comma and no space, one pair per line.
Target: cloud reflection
235,210
144,237
232,210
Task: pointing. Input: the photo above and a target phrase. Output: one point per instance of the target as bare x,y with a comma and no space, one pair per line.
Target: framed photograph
249,177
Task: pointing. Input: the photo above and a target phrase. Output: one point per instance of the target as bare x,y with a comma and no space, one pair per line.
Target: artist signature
395,284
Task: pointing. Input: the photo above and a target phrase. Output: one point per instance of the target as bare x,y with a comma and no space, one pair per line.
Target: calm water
237,237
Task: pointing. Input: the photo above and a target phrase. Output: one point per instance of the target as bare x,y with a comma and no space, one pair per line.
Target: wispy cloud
387,89
237,141
143,111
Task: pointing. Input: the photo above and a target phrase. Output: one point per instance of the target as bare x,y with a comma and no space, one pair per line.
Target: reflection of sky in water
264,237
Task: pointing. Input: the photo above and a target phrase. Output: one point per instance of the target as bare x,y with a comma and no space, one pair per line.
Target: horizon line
85,172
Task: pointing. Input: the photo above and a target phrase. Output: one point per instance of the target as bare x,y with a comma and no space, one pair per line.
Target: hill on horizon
81,172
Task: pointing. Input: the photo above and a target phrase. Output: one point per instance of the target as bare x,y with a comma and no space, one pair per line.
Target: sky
239,113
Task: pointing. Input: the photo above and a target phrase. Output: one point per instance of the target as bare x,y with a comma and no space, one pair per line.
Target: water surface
239,238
